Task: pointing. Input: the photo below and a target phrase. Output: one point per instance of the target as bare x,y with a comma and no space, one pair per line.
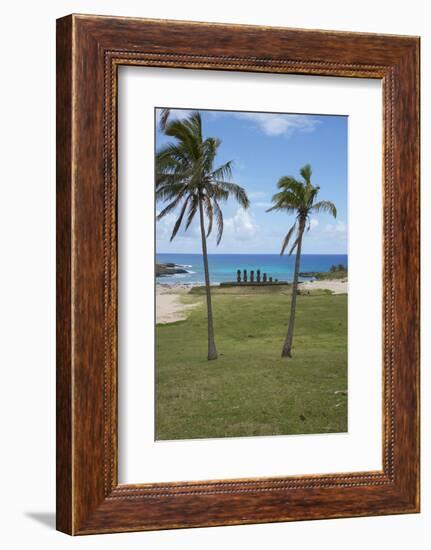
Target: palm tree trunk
212,351
287,347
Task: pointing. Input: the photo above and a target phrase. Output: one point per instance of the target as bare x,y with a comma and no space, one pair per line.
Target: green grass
250,390
339,274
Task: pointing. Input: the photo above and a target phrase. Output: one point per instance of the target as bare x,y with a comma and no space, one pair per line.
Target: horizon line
257,253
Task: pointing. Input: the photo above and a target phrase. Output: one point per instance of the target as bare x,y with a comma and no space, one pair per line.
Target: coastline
188,268
336,286
170,306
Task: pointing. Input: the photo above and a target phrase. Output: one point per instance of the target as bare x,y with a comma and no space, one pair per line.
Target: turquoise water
223,267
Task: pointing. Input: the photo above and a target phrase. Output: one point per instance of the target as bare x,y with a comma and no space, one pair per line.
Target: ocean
223,267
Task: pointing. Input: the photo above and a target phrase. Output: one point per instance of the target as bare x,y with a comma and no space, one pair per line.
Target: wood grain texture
64,495
90,49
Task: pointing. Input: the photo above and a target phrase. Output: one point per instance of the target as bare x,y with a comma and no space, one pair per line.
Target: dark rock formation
169,269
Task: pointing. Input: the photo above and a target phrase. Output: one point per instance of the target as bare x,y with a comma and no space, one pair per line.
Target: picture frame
89,51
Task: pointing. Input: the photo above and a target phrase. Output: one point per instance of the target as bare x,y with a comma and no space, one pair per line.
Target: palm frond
223,172
210,214
188,132
295,244
288,199
290,209
171,154
287,238
325,206
180,219
164,115
167,188
306,173
310,194
209,152
236,191
289,183
171,206
219,219
215,191
193,208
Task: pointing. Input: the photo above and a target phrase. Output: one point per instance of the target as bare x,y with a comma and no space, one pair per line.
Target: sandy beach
336,286
169,307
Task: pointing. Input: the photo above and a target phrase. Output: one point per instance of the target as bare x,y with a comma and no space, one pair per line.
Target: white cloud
242,226
256,194
166,225
278,124
262,204
313,223
271,124
341,227
338,228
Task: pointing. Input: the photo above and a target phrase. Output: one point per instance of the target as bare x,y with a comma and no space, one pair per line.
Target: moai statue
264,278
270,279
251,276
258,276
245,276
238,276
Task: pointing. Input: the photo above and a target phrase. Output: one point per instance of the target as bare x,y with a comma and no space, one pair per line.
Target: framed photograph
237,274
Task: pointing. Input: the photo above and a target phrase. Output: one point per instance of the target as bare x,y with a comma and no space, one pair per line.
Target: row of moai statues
264,279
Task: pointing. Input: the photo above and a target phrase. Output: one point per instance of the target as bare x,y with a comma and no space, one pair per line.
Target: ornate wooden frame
89,51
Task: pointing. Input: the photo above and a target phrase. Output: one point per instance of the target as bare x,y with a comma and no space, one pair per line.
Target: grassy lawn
250,390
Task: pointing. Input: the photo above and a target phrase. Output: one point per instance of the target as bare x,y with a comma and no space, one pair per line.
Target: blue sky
265,147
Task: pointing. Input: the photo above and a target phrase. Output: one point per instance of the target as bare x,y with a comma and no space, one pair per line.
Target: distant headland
169,268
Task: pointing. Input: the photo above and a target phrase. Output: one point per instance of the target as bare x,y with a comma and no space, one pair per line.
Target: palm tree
186,178
164,116
297,197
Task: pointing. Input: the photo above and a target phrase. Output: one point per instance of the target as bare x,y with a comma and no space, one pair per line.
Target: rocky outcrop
169,269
